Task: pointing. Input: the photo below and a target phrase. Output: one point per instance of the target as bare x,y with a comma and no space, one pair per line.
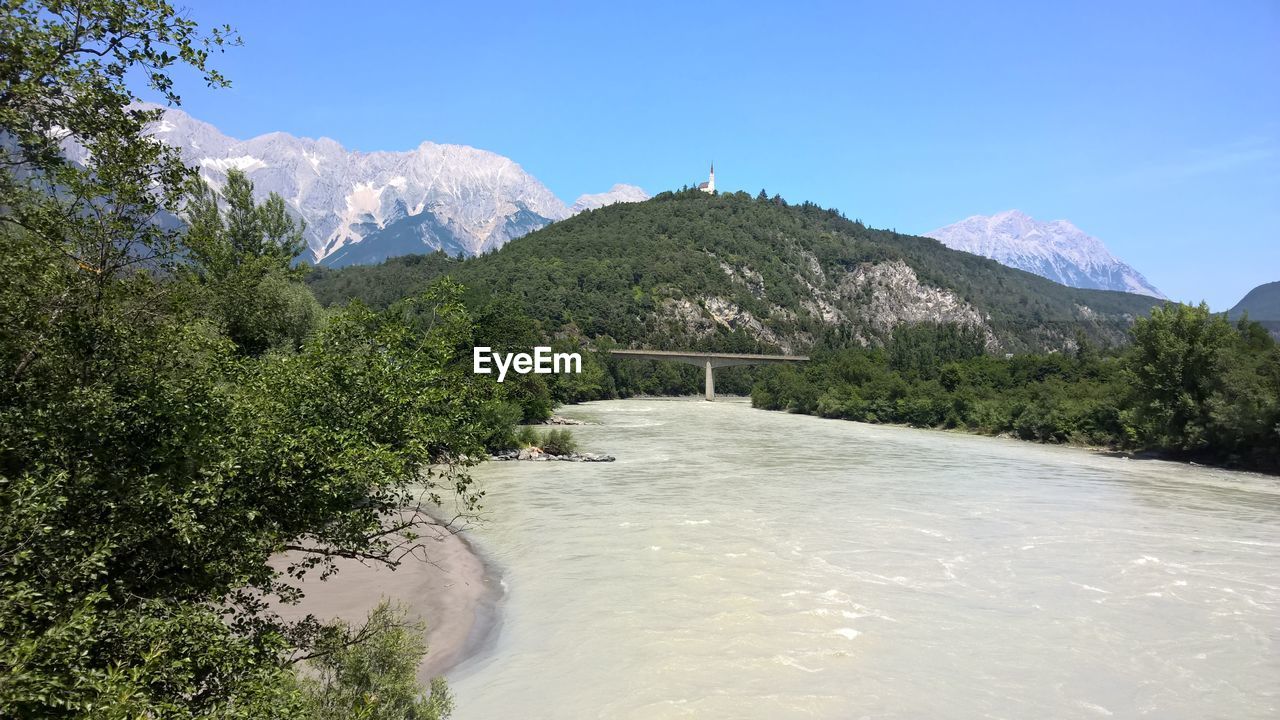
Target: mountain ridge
620,192
739,273
1057,250
1261,303
360,206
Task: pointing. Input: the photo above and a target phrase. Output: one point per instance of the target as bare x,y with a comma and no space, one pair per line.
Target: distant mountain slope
1056,250
365,207
729,271
1262,303
616,194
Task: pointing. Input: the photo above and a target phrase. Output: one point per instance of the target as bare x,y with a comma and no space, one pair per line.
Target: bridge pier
709,361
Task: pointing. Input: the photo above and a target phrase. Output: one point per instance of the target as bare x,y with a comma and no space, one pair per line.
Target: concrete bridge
708,360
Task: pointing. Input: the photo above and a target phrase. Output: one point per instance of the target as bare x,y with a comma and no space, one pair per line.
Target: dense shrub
555,442
1191,385
559,442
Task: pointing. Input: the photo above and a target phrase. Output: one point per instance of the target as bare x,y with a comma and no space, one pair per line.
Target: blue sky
1154,126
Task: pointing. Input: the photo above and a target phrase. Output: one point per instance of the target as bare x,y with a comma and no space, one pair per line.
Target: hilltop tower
710,185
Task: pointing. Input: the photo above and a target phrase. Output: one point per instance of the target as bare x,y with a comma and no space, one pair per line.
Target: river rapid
738,563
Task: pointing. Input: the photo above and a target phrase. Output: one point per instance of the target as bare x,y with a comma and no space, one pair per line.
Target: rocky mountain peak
616,194
1057,250
364,207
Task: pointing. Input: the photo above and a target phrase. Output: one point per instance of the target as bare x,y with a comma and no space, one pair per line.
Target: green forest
1191,386
616,272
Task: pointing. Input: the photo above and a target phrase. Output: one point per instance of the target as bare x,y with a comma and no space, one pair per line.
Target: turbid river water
737,563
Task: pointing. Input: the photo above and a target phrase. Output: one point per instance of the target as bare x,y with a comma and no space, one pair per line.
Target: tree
243,257
223,239
78,170
502,325
170,415
923,348
369,673
146,488
1176,364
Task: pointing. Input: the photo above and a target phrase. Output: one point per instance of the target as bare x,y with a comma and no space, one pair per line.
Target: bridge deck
708,360
677,354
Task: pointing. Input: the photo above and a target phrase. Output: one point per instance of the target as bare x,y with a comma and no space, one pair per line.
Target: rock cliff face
890,294
365,207
701,318
873,298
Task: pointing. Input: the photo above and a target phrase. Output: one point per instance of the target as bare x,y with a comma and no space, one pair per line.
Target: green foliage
1048,398
559,442
1202,387
921,349
501,324
526,436
370,673
593,383
1191,384
238,232
378,286
271,312
500,420
65,69
1176,365
149,471
174,409
556,442
242,256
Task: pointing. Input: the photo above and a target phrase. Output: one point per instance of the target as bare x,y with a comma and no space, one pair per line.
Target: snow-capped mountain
365,207
1056,250
616,194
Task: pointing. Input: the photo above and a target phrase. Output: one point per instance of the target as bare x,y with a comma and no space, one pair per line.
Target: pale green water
737,563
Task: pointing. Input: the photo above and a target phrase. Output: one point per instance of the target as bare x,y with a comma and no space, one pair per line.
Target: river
738,563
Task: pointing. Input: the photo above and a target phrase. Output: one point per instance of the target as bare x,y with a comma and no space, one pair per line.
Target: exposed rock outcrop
890,294
734,317
745,276
558,420
539,455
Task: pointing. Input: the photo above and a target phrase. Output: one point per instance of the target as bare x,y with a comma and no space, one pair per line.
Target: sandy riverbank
454,593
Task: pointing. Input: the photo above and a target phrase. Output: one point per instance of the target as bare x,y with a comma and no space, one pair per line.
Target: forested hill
1261,303
732,271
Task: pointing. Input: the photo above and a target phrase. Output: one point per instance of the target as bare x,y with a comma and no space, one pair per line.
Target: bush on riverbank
559,442
554,442
370,672
1192,386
